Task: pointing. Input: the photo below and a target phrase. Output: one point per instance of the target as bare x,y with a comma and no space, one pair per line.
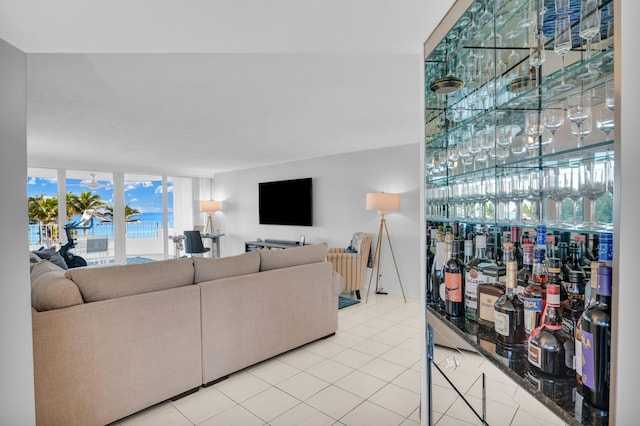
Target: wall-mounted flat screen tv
286,202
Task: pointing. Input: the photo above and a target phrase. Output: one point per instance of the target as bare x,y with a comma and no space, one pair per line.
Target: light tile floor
367,374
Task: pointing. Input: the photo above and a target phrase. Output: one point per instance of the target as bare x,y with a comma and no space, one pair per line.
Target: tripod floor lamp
383,202
209,207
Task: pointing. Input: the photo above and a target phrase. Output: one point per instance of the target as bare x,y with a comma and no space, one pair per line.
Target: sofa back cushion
50,289
110,282
207,269
274,259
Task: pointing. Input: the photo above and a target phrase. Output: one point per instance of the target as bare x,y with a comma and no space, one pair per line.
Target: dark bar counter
560,394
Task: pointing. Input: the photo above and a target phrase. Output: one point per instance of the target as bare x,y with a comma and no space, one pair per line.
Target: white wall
340,185
626,291
16,368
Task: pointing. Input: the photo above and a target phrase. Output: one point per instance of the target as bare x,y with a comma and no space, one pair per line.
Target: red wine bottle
596,344
454,283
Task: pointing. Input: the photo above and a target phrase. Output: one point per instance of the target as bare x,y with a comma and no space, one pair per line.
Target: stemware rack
498,92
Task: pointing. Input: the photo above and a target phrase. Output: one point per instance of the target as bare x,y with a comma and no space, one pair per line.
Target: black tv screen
286,202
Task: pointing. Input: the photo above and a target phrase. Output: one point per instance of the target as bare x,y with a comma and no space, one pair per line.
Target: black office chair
193,243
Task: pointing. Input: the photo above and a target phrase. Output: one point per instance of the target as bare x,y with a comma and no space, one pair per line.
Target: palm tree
129,213
44,209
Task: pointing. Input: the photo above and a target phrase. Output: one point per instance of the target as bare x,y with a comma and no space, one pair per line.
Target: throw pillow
350,250
52,255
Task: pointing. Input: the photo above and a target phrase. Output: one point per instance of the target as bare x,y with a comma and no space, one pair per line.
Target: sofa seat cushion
275,259
208,269
50,289
110,282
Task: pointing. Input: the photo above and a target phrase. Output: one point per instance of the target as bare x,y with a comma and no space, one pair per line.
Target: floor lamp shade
383,201
209,207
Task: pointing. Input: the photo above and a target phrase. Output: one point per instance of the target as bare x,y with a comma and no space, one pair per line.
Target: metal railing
45,234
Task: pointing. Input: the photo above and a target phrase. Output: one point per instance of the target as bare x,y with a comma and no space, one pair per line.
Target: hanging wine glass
562,46
553,119
519,146
578,111
589,20
537,53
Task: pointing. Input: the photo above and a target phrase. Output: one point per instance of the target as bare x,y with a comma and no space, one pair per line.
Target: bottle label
473,278
605,247
534,356
501,323
453,286
588,361
532,313
486,308
578,354
569,326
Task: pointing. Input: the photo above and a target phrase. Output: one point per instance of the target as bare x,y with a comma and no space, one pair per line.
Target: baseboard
183,394
213,382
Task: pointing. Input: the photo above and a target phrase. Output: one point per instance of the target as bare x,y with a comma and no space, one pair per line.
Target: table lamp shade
209,206
383,201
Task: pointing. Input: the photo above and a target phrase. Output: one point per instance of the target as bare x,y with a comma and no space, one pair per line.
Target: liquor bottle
590,297
541,236
509,310
474,276
489,293
524,274
468,251
573,306
430,259
549,348
563,255
533,296
605,248
551,246
517,247
437,276
596,344
454,283
581,240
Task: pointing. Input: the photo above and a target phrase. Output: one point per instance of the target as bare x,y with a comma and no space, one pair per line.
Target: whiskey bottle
596,344
489,293
533,296
590,297
454,283
509,311
573,306
549,348
474,276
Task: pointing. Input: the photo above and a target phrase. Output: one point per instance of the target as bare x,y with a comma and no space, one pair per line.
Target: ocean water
147,226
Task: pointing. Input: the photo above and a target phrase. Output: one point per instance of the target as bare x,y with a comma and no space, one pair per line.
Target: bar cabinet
520,125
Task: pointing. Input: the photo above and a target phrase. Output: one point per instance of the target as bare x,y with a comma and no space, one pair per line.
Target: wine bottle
454,283
596,344
549,348
509,311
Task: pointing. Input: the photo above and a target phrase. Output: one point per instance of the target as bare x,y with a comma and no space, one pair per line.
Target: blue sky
146,196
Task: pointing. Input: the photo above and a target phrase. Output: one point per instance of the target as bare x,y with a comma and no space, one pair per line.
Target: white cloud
159,189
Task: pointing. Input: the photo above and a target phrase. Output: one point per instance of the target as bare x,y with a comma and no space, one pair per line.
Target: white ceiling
198,87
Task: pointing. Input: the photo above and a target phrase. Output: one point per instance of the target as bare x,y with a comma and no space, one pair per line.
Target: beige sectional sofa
110,341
